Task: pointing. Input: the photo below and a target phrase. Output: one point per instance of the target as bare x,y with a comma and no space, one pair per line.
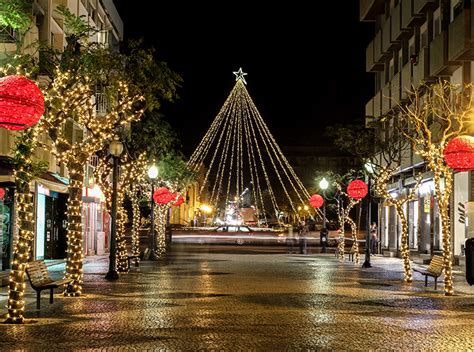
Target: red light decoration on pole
316,201
459,153
163,196
21,103
179,201
2,193
357,189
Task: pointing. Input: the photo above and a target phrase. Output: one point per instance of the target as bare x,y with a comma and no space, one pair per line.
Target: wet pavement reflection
247,299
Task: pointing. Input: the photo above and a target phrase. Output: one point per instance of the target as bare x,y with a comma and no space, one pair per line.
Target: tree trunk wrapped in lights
355,244
122,257
133,194
70,97
161,212
25,171
382,177
131,174
343,218
74,250
433,116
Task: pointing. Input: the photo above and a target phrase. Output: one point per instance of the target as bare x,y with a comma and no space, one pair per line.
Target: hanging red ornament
21,103
2,193
163,195
316,201
357,189
459,153
178,201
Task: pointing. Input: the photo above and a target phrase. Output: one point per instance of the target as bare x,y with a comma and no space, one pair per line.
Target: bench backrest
436,265
38,273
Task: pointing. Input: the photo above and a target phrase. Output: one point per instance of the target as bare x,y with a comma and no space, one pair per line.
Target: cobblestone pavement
217,298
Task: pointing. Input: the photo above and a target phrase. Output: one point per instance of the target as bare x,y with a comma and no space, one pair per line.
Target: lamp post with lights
115,149
152,175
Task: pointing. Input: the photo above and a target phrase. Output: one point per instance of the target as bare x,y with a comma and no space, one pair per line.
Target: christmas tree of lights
242,158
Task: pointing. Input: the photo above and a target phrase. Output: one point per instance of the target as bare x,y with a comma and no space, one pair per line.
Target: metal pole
324,214
112,274
152,222
367,237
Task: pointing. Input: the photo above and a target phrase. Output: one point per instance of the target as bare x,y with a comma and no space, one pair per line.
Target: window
436,23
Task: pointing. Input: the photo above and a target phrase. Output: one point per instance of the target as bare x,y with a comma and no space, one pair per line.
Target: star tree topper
239,75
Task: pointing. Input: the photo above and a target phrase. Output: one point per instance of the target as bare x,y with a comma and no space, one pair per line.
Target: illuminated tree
26,169
433,116
132,173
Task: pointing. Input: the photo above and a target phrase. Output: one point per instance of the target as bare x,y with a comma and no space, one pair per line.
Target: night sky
306,67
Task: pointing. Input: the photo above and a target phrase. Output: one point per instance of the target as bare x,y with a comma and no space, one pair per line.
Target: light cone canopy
244,164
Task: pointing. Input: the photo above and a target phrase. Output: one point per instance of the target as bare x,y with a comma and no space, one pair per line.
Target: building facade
50,189
419,41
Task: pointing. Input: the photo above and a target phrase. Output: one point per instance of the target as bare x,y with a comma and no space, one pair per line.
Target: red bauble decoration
357,189
179,201
316,201
21,103
2,193
163,195
459,153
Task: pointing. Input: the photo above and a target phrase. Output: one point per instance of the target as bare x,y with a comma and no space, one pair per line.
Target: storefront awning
53,182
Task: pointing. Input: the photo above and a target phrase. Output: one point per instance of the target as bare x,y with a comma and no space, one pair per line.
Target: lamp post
323,185
370,170
152,175
115,149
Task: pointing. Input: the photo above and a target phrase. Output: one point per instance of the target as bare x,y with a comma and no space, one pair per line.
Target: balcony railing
7,35
101,103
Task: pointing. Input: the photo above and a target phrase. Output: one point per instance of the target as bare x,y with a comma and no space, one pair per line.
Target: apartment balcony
379,55
439,63
377,104
461,37
368,9
386,99
408,17
388,43
396,87
421,71
370,64
405,81
421,6
369,108
406,158
399,30
7,139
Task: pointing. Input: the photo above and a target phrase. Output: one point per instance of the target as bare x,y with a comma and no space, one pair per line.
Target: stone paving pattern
216,298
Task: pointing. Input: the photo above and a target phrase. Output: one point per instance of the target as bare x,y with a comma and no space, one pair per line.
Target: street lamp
115,149
323,185
369,167
152,175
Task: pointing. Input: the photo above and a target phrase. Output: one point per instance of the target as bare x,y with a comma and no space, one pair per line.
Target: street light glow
206,208
323,184
153,172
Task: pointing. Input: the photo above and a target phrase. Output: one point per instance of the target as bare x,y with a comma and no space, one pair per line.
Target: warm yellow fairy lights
434,115
343,218
239,138
23,153
381,180
71,97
